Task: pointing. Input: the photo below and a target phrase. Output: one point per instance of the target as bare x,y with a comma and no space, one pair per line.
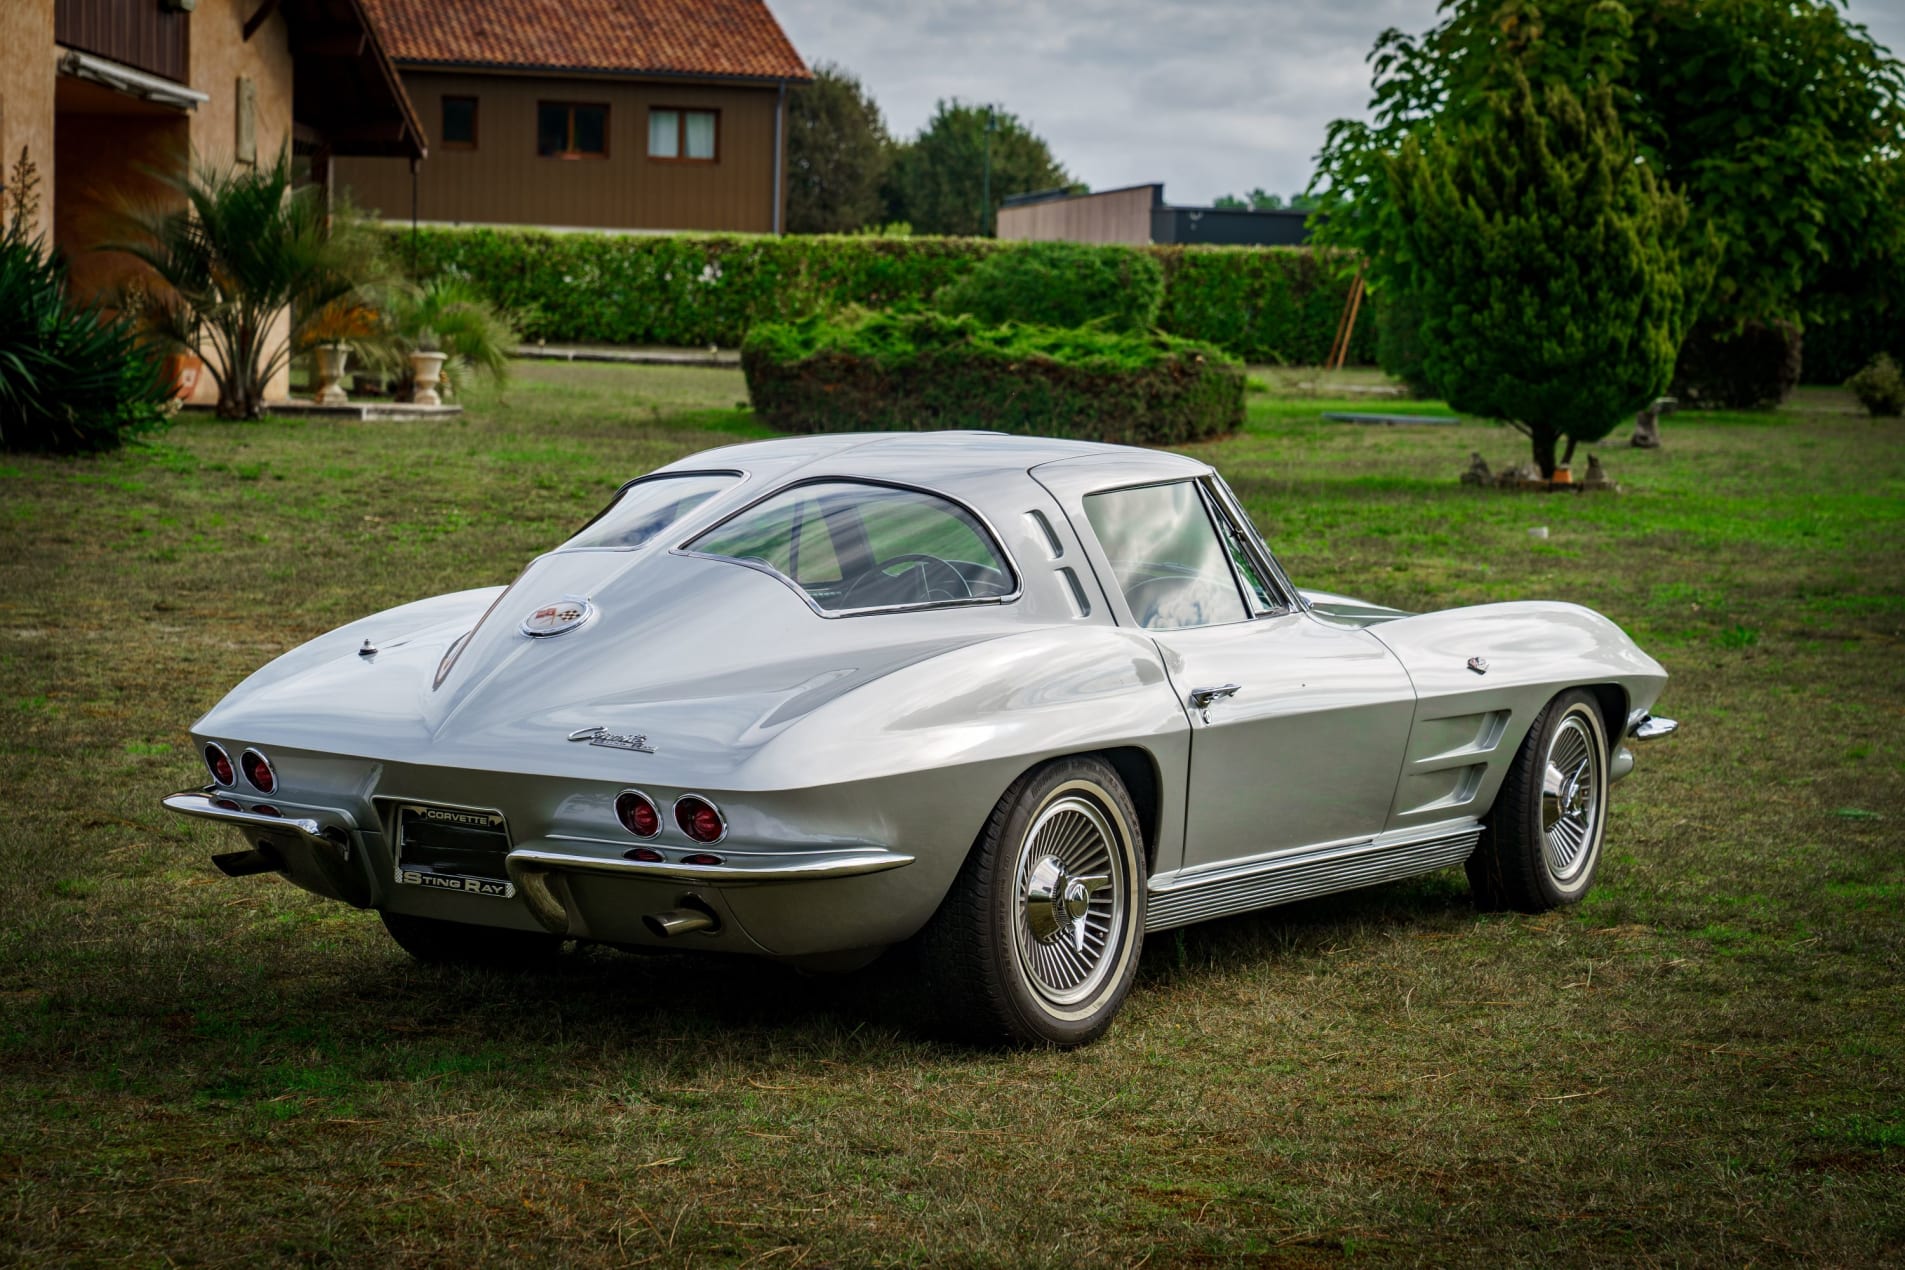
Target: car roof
958,462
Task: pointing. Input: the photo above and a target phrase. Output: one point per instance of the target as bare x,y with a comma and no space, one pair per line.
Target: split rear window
647,508
853,546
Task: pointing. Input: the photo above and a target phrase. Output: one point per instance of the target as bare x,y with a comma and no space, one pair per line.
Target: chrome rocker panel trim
1306,874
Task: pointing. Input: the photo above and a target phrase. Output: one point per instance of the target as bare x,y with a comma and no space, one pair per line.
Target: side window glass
1262,598
1166,555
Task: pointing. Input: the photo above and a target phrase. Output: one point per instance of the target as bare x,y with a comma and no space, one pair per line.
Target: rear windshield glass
648,507
847,546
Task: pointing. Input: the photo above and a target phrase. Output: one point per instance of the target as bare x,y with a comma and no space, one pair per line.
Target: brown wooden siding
503,180
1115,216
137,33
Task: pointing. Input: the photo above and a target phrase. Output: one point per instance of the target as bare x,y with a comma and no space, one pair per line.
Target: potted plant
443,332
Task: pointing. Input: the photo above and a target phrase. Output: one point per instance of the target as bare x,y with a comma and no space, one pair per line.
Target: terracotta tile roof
722,38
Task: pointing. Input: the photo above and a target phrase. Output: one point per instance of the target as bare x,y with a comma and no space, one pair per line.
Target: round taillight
699,819
258,771
637,814
220,764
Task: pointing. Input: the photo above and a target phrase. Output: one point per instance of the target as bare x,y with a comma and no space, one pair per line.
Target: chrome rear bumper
539,872
316,853
1652,728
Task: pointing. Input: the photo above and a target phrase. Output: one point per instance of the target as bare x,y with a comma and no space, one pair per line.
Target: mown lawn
1702,1064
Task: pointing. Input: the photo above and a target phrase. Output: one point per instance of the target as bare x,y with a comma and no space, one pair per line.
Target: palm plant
73,376
449,315
251,271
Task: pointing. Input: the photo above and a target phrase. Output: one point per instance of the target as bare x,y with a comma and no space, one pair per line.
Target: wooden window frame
572,155
476,116
681,134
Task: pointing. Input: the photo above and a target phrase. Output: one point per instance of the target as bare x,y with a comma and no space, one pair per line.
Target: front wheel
1038,940
1541,842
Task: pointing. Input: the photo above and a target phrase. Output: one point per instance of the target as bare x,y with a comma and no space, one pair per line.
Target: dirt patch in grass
1702,1063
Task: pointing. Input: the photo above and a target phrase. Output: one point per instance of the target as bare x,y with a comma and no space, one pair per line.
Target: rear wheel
436,942
1038,940
1541,842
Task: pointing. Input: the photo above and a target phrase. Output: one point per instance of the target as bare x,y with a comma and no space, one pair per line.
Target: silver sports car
1021,700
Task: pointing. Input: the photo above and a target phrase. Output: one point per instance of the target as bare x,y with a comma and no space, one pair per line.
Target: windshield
648,507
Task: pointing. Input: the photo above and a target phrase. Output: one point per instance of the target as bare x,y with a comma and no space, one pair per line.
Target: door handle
1204,698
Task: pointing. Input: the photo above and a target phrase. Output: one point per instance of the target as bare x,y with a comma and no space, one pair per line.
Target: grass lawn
1703,1063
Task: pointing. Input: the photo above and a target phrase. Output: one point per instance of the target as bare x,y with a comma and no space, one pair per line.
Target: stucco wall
26,92
220,55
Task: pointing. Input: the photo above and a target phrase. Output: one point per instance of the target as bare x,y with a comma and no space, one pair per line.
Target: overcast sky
1211,97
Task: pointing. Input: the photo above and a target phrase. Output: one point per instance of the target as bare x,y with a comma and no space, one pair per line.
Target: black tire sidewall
1029,1015
1532,838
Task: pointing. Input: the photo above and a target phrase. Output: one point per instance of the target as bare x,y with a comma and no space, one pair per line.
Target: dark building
1139,214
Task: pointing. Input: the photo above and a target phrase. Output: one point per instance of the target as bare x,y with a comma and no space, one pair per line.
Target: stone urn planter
425,370
331,360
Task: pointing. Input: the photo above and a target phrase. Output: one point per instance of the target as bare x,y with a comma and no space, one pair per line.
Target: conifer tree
1553,274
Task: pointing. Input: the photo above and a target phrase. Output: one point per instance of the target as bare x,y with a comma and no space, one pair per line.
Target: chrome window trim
1197,483
1293,601
998,543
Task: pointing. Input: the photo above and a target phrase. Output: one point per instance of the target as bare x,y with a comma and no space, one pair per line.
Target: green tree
1261,200
1554,274
938,179
837,154
1779,118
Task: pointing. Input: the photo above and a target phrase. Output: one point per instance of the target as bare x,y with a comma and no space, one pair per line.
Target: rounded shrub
918,372
1752,368
1880,387
1061,284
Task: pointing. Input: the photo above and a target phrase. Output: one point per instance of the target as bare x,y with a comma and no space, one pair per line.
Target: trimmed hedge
1061,284
1263,304
886,372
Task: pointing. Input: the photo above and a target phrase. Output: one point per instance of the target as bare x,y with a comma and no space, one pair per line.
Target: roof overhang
134,83
596,72
346,92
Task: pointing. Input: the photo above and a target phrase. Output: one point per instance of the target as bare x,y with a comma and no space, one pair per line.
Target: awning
124,79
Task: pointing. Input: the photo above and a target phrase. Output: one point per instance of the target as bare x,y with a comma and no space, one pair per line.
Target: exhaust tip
692,916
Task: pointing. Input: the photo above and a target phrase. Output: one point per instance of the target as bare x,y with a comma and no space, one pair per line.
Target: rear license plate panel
458,849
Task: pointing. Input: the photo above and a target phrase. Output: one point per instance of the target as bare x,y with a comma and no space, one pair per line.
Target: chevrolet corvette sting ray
1022,700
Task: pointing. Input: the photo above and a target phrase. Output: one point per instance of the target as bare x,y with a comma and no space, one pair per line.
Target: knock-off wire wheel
1037,942
1541,841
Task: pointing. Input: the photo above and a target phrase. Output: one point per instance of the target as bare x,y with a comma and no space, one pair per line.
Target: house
599,114
100,93
1139,214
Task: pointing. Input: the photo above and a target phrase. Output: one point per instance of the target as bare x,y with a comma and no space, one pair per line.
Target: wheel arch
1611,699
